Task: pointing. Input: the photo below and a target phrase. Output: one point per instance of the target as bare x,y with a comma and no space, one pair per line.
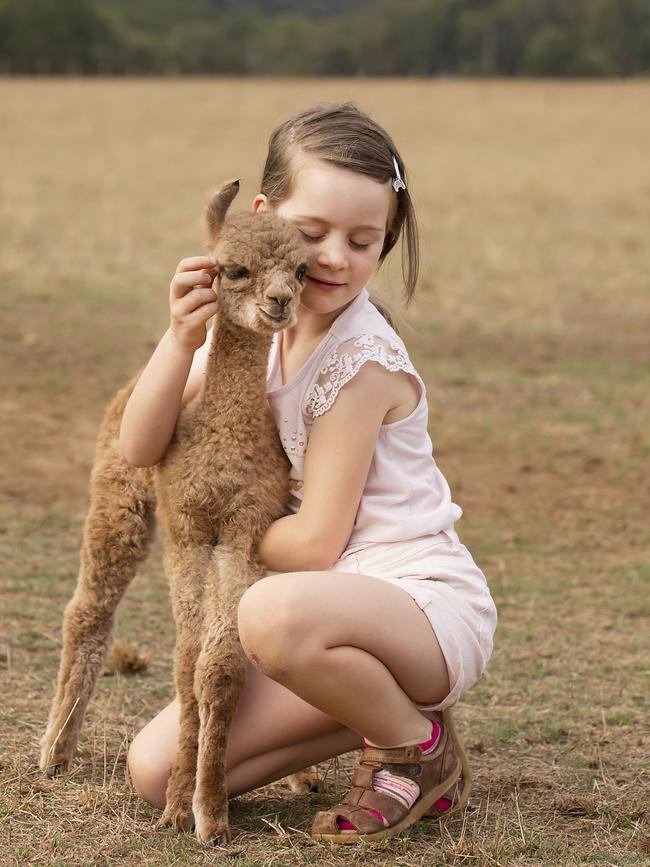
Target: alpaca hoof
304,781
211,821
54,770
54,760
213,832
180,818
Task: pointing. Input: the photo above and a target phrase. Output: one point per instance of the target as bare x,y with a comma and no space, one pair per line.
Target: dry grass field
531,330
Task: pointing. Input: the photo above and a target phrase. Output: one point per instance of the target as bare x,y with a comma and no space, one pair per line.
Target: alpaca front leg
180,786
219,682
186,569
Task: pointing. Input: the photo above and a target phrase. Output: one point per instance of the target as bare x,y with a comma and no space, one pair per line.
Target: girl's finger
201,314
190,302
182,283
193,263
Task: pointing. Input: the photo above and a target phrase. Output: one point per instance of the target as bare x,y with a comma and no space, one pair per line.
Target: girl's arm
287,546
339,454
163,388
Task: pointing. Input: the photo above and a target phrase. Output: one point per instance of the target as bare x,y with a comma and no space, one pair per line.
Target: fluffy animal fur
221,483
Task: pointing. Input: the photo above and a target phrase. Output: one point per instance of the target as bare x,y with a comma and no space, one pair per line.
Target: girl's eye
319,237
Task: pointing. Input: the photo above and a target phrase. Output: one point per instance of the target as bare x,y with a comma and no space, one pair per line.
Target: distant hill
309,8
326,37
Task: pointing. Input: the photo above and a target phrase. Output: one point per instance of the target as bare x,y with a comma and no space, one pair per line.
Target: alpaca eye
237,273
300,273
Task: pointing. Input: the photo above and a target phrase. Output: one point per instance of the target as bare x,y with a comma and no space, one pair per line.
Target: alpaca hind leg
116,540
219,683
304,781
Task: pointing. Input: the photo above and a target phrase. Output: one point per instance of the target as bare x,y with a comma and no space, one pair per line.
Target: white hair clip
398,183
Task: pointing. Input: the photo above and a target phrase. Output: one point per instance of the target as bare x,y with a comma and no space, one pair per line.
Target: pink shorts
438,572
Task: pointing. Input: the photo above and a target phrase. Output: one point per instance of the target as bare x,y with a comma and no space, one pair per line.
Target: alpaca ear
216,210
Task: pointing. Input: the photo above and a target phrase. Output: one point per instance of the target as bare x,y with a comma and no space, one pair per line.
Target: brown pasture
531,330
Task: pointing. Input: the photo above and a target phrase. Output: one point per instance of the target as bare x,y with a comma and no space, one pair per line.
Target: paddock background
531,331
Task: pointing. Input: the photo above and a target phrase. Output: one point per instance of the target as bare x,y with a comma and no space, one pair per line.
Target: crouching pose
373,619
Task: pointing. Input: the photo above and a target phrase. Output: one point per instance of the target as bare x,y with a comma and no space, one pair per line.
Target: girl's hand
192,301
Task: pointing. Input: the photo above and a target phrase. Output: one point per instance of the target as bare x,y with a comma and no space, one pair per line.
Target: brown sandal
443,773
459,793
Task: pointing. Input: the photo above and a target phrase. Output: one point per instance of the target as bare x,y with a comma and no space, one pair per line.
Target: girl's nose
331,254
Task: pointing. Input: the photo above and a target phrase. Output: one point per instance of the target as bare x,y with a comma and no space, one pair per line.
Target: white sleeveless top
405,496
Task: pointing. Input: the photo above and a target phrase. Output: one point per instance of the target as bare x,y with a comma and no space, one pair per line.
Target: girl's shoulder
363,317
362,336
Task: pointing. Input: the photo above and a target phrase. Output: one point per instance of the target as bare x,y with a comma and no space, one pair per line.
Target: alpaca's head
261,264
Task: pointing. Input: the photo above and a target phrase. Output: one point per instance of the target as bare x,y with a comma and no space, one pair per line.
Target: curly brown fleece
221,483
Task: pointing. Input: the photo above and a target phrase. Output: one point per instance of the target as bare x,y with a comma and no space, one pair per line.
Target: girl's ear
260,203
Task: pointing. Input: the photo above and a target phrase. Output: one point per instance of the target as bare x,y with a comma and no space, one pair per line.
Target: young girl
374,618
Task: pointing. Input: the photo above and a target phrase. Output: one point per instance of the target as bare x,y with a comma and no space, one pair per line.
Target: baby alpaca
223,480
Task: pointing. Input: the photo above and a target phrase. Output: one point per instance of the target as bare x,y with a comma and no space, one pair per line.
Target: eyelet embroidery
341,366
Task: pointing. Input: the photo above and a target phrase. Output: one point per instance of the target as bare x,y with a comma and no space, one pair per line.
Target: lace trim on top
346,360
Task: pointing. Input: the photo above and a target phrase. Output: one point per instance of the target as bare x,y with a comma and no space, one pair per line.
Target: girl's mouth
325,284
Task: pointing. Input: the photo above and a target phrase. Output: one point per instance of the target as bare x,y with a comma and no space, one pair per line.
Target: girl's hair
344,136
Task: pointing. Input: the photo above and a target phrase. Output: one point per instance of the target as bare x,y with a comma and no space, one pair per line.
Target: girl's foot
393,787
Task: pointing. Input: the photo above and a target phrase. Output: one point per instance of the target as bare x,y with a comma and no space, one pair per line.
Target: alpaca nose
280,299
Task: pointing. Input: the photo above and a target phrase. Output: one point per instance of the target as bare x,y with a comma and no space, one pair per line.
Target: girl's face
343,216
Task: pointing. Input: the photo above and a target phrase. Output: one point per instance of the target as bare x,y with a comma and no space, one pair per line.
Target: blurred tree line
326,37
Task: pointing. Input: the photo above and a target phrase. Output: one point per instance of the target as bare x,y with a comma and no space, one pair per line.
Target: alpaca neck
235,373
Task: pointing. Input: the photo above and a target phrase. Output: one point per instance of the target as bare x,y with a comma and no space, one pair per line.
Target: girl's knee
148,774
270,607
274,617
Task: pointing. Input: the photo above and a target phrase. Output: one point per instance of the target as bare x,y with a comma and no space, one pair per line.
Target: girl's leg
274,733
357,648
362,651
353,652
